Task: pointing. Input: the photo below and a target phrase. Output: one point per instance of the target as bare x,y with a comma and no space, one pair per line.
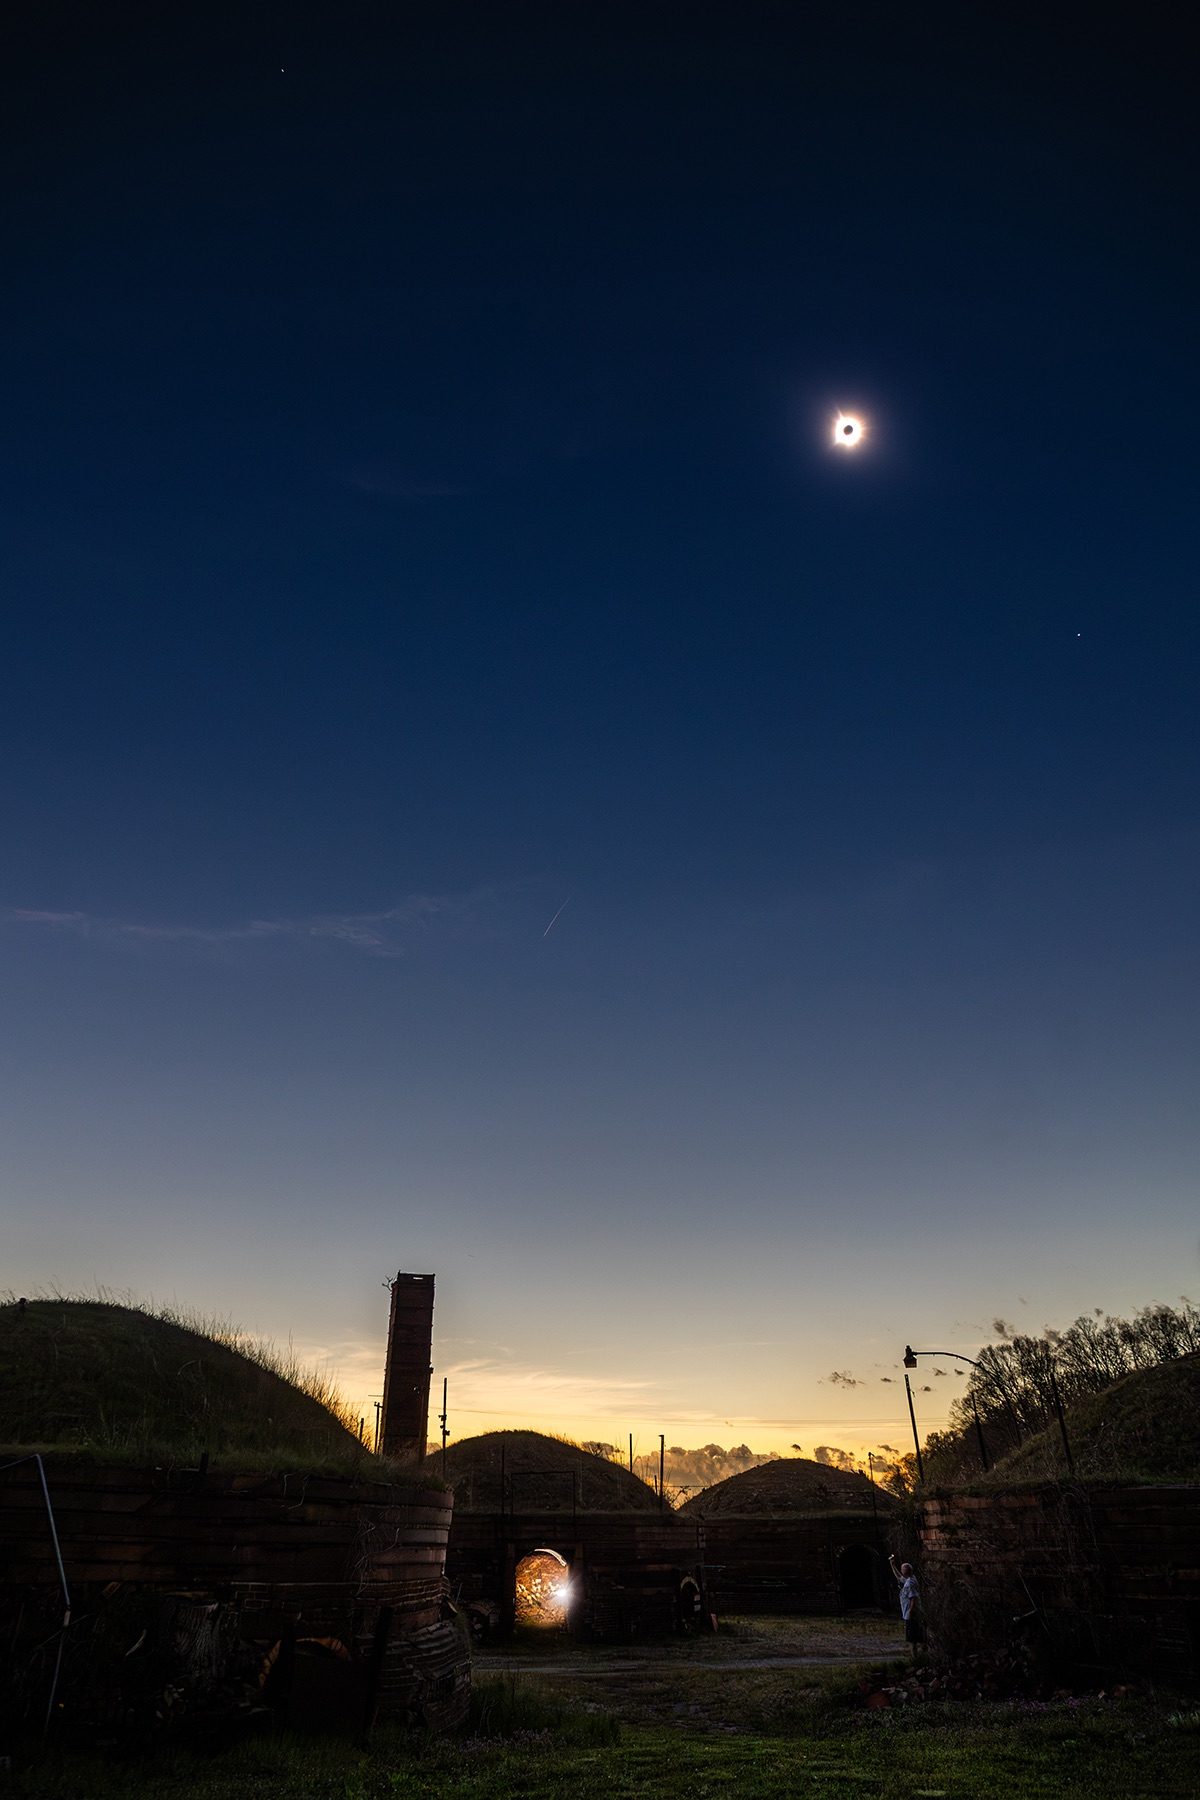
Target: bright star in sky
848,431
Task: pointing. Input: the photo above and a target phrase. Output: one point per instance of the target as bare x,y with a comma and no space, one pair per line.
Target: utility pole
662,1464
1062,1423
983,1455
631,1453
445,1430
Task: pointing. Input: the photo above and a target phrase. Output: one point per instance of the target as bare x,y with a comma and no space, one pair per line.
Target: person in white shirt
910,1602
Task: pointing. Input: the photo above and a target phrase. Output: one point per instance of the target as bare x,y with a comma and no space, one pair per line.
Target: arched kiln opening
856,1573
543,1589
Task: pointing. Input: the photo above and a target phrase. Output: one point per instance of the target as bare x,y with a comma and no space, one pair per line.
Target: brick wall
1090,1582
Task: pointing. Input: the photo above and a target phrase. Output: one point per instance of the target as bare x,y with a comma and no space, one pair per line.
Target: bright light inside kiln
848,431
543,1589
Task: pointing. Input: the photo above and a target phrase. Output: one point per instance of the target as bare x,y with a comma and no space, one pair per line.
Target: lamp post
912,1413
910,1362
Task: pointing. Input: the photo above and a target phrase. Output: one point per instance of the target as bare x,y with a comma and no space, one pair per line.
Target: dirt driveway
766,1643
751,1666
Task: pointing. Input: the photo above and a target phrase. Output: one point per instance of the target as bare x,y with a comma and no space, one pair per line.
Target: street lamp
910,1362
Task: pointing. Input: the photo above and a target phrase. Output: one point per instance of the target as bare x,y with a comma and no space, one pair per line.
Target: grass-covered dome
542,1474
118,1383
1144,1428
788,1485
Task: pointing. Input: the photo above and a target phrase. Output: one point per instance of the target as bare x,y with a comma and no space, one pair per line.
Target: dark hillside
119,1384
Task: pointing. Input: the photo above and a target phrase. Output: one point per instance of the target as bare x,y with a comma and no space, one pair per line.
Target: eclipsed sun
848,431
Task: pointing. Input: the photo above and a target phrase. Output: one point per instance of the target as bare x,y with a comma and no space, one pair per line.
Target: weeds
507,1707
109,1383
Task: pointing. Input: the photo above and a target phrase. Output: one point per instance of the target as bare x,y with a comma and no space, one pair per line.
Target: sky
489,789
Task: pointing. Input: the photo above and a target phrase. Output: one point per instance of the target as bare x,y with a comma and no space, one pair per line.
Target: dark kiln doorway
857,1576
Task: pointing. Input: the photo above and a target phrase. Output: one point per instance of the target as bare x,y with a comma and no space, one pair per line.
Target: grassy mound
544,1474
1146,1427
117,1384
792,1484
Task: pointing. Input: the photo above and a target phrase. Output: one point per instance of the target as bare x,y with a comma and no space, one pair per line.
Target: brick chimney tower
406,1374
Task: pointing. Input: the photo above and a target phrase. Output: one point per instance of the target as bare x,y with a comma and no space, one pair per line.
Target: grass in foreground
525,1745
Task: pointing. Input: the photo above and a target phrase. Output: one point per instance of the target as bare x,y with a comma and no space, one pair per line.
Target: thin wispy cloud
392,932
25,915
487,1382
494,1386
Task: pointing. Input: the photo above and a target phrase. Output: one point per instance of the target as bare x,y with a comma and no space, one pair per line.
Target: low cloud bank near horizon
690,1470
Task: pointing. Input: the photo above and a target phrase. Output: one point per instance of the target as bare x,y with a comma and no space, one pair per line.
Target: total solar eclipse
848,431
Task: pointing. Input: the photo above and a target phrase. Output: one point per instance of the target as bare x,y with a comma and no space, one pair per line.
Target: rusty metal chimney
406,1375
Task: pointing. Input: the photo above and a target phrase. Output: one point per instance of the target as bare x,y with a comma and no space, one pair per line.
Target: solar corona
848,431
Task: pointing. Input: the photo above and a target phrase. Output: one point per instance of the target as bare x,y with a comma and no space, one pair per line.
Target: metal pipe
62,1573
62,1576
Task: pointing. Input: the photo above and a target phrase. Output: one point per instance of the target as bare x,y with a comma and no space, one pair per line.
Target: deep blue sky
417,511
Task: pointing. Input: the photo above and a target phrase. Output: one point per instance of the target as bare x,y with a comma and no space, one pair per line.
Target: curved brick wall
319,1598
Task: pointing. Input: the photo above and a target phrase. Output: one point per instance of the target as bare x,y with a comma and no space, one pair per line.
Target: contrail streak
557,915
